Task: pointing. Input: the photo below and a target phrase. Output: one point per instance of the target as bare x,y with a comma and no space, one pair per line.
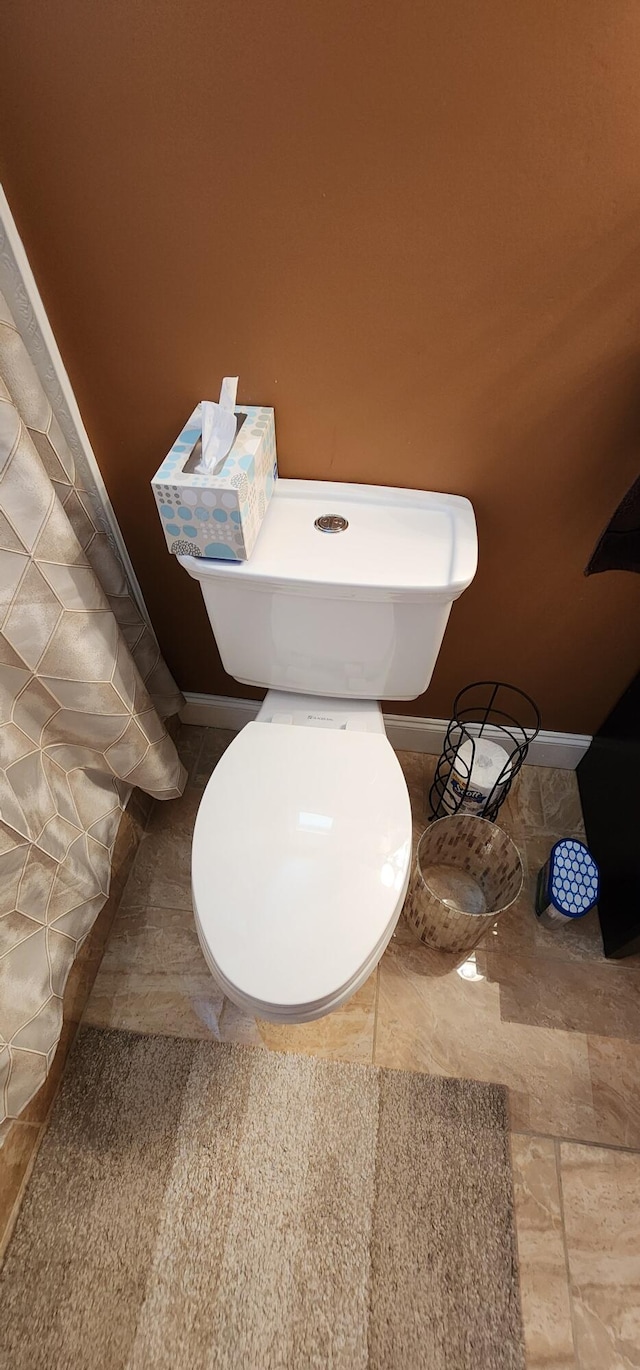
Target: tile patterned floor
543,1013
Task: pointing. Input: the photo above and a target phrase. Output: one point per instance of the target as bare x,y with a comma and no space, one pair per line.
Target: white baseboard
218,711
405,733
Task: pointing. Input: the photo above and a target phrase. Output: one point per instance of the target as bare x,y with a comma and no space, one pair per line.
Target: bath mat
197,1206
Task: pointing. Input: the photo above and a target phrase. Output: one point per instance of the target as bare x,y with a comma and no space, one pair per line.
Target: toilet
302,843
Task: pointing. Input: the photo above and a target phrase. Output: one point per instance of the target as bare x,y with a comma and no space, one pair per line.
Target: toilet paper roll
488,765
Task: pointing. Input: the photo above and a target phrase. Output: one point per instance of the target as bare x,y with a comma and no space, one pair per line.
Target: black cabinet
609,780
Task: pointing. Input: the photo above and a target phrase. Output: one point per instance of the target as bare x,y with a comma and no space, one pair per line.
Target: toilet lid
300,859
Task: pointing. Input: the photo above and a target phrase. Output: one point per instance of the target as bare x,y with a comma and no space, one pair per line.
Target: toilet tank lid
407,542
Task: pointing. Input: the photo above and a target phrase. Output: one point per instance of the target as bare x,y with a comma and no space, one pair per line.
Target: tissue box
218,515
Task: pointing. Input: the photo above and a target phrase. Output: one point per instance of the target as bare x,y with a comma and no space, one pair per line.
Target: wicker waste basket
466,872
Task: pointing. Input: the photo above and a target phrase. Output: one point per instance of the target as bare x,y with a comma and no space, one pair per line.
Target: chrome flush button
331,523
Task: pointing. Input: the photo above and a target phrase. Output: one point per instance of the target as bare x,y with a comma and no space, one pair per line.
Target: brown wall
414,227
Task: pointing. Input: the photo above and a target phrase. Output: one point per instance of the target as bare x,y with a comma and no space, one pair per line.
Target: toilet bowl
302,843
301,858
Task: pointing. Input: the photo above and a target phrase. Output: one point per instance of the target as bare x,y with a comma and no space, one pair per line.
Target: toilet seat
300,865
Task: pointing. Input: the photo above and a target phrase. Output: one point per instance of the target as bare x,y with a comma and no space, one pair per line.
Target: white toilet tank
347,592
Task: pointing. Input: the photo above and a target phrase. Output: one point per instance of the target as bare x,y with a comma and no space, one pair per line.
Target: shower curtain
83,690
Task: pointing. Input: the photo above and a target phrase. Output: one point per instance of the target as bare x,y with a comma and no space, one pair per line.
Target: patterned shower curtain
83,689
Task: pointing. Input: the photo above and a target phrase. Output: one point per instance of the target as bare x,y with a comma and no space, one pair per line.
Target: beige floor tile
561,802
430,762
602,998
601,1197
414,771
614,1066
345,1035
189,743
153,941
522,813
161,873
544,1280
214,744
179,1006
195,1007
174,818
139,807
418,777
130,831
432,1017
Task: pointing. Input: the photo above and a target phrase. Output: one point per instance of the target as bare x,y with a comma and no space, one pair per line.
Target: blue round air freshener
568,885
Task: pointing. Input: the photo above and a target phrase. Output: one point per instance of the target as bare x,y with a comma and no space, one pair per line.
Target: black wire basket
487,712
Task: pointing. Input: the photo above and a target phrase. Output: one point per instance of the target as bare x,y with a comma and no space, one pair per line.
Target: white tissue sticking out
219,427
489,764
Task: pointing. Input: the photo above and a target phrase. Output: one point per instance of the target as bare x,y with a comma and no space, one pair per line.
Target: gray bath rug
195,1205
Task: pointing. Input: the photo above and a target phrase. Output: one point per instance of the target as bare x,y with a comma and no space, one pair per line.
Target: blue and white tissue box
218,515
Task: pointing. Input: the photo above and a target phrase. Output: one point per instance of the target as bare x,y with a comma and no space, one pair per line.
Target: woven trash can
466,872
